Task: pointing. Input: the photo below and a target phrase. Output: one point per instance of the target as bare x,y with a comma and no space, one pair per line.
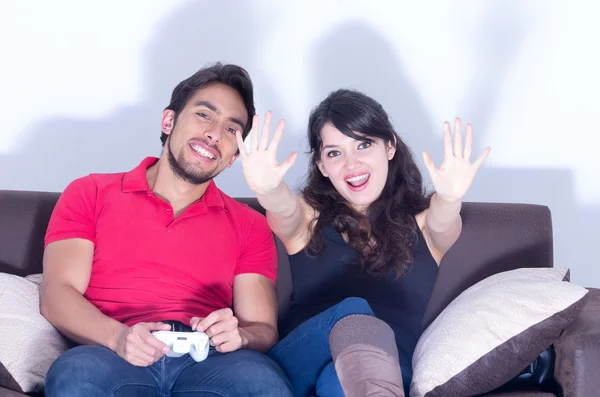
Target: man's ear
322,169
168,119
230,163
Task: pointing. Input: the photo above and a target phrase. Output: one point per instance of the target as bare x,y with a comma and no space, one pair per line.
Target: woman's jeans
305,356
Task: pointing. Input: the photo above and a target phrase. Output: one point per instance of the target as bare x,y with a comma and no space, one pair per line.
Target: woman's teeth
358,180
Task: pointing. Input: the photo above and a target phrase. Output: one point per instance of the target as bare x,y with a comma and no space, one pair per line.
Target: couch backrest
24,217
496,237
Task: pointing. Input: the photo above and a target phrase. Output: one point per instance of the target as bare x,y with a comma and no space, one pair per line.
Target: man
162,248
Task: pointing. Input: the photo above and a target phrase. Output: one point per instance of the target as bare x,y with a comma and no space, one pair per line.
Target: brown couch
496,237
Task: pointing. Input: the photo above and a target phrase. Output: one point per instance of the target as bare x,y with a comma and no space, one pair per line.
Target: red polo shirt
148,266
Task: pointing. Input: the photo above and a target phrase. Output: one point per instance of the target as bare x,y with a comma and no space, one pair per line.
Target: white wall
82,87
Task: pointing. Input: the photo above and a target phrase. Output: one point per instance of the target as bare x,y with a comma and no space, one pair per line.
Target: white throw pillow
493,330
29,344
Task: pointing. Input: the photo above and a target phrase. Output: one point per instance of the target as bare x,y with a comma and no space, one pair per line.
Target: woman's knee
354,305
328,383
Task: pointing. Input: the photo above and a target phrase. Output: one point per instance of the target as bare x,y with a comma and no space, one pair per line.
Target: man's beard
181,168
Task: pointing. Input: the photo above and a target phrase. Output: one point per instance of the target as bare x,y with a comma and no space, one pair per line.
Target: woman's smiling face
358,169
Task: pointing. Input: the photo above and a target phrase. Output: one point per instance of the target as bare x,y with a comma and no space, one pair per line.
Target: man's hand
221,326
138,346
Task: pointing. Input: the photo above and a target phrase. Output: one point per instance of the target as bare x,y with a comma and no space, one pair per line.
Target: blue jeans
90,371
305,356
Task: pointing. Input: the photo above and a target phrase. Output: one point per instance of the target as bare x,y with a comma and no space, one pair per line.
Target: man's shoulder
133,179
240,207
97,181
242,213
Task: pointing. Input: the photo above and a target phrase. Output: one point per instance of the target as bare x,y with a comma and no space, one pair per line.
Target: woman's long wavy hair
384,235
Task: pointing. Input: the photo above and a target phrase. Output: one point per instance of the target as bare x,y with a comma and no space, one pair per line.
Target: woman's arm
442,223
287,213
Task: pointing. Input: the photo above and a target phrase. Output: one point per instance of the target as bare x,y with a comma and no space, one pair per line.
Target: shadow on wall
56,151
354,55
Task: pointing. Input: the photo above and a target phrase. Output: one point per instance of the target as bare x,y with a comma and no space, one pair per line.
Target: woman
362,228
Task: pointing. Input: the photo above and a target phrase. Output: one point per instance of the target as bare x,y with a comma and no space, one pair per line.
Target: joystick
195,343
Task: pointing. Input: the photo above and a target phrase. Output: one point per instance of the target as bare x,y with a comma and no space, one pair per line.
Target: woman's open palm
456,173
261,170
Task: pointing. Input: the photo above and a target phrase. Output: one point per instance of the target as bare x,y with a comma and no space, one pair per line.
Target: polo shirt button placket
169,211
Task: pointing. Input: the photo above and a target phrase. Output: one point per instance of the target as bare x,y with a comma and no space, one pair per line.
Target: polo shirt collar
136,181
212,197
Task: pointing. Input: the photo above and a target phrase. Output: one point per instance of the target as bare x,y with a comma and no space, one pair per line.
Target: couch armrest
578,352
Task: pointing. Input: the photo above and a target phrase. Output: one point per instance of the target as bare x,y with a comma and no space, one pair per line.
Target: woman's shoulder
421,219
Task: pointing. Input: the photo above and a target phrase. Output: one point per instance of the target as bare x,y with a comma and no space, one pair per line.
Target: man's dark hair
234,76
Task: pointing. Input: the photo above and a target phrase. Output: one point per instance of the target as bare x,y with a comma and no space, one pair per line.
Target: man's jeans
305,354
90,371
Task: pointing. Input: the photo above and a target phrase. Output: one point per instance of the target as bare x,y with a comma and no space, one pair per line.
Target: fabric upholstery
491,331
496,237
29,344
578,352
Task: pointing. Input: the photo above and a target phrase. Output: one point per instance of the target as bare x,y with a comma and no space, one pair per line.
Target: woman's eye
364,145
333,153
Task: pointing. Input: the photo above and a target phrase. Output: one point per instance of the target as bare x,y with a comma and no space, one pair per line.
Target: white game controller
195,343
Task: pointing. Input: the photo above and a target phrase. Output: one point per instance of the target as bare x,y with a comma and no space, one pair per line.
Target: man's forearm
258,336
76,318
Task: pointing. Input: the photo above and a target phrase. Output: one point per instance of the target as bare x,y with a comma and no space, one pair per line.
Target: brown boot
366,357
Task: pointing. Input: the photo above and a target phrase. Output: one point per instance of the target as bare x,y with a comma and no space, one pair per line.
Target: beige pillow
29,344
493,330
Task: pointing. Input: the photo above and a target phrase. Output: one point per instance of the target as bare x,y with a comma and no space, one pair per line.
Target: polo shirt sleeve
258,252
74,213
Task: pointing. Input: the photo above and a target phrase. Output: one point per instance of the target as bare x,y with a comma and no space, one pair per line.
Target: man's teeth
203,152
357,178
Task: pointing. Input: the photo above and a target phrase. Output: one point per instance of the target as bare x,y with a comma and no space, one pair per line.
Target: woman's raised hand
456,173
261,170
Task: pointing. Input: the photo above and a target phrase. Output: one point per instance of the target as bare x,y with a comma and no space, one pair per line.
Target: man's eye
232,130
203,115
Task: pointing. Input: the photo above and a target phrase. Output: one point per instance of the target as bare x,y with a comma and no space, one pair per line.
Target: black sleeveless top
319,283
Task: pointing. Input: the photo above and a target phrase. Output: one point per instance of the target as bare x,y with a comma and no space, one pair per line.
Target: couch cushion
29,344
531,393
493,330
496,237
4,392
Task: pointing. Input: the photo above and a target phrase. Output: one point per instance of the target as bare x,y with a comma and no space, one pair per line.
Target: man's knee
79,368
83,358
